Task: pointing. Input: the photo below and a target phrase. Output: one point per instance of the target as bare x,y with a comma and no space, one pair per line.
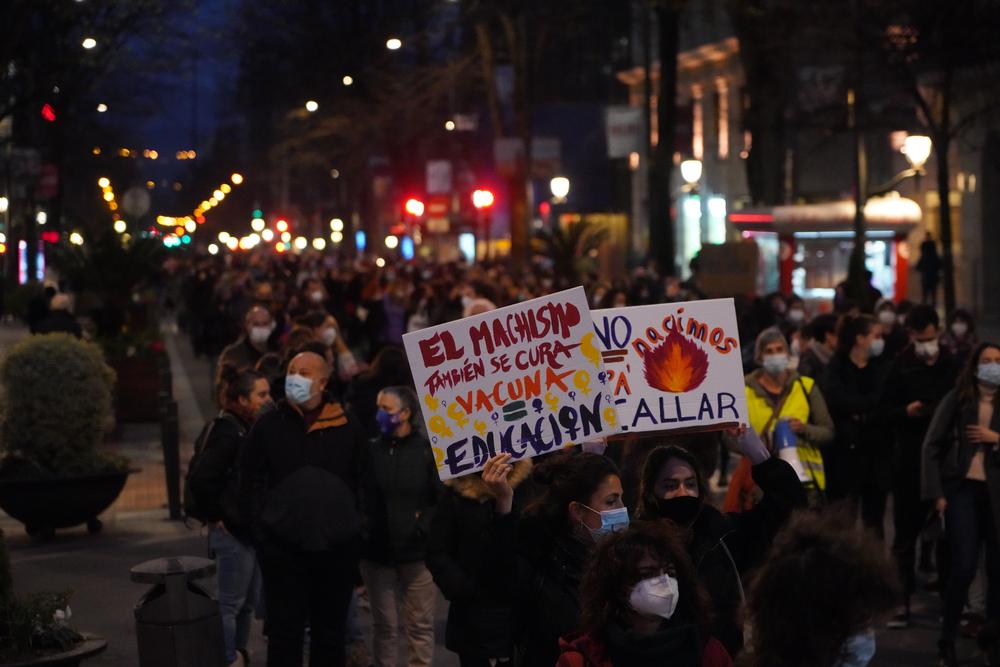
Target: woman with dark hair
816,600
400,490
722,546
213,485
642,605
859,463
580,505
961,475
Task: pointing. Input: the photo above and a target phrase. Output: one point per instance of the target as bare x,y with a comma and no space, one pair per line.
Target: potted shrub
35,629
56,404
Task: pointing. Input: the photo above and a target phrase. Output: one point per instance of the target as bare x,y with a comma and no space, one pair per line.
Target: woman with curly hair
642,605
824,587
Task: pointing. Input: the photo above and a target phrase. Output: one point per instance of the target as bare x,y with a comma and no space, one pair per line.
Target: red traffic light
482,199
414,207
48,113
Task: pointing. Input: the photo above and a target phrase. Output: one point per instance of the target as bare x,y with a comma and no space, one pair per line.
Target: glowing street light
394,44
319,243
120,226
102,107
917,148
391,241
691,171
76,238
88,43
337,237
347,80
312,106
267,235
4,204
449,125
482,199
258,224
336,225
103,182
223,237
414,207
213,249
559,187
300,243
236,178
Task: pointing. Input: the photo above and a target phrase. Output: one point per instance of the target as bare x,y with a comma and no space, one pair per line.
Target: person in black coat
298,488
918,380
59,318
723,547
859,463
465,537
400,490
581,503
212,481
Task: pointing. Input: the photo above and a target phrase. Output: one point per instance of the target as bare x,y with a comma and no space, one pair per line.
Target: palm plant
570,248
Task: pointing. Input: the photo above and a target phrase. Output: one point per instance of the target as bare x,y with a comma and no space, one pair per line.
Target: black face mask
682,510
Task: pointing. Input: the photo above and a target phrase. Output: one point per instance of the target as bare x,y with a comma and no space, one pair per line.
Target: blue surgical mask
298,389
612,521
989,374
877,347
387,422
858,650
775,364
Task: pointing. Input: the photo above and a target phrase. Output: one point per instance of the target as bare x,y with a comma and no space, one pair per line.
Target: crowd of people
316,479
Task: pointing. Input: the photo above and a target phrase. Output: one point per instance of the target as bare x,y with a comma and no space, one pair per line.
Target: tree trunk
661,218
941,145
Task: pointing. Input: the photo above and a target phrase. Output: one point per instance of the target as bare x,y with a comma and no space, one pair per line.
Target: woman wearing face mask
815,600
859,464
400,490
326,330
465,538
960,336
212,482
776,394
579,506
961,475
642,605
723,547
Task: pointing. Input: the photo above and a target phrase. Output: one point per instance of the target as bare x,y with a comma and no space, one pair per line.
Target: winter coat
400,489
862,451
726,547
59,321
550,568
674,647
947,452
299,484
913,379
462,556
214,481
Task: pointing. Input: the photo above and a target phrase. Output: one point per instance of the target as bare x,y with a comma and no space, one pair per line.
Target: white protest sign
525,380
674,365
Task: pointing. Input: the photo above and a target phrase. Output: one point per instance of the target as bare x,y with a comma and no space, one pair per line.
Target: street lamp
88,43
394,44
347,80
916,148
312,106
102,107
559,186
691,172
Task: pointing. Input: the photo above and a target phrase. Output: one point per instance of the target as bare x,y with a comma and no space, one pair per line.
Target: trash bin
177,622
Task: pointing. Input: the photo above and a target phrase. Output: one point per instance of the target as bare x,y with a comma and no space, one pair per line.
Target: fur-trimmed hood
474,488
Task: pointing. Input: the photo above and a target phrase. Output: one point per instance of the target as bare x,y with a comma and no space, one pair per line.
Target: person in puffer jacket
299,485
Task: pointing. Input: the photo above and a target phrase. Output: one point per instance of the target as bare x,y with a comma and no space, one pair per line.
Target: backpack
190,502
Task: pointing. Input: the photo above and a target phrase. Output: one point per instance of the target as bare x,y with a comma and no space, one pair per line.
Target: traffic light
414,207
483,199
48,113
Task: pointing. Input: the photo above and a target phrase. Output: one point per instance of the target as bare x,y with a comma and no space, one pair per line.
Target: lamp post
691,173
559,187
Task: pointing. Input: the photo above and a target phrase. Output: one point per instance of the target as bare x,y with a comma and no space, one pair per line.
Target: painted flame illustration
676,365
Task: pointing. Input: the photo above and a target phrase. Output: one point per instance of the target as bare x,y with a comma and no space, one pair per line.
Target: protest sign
524,380
673,366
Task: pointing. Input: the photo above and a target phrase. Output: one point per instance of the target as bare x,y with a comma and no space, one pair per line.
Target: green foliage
35,624
57,399
569,247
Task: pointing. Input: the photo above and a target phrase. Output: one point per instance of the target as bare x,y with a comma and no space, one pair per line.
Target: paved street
95,567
